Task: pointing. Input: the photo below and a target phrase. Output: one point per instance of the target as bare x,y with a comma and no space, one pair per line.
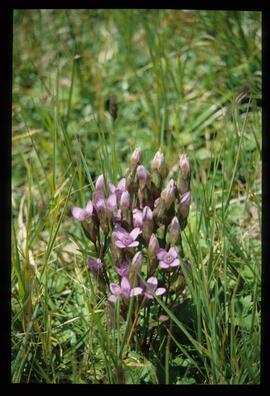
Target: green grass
186,81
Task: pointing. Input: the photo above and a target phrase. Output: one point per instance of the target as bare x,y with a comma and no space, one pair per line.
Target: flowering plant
139,222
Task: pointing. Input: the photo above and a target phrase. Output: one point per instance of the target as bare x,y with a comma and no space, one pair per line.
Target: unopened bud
168,194
153,246
125,201
174,231
184,165
100,183
158,163
143,176
136,157
184,205
183,181
148,223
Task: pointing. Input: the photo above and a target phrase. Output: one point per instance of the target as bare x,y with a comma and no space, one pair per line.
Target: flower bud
134,268
174,231
168,194
184,205
148,223
153,246
158,163
183,181
100,183
136,157
137,261
137,218
125,201
94,264
184,165
143,176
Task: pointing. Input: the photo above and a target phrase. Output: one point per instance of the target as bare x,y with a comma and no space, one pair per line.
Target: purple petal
112,188
79,213
161,253
112,298
120,244
137,218
172,252
121,233
136,291
89,207
160,291
125,287
152,282
122,184
111,202
163,265
100,183
175,263
133,244
134,233
115,289
148,295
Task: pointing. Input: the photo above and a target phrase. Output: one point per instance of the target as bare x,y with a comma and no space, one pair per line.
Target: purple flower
124,291
126,239
94,264
168,259
137,218
82,214
104,205
119,189
150,288
122,269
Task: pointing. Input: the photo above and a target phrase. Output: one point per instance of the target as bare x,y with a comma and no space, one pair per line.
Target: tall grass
189,82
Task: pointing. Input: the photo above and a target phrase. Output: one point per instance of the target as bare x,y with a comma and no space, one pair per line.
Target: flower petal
161,253
125,285
163,265
136,291
160,291
115,289
172,252
134,233
175,263
152,283
89,207
111,202
122,184
79,213
148,295
112,187
133,244
112,298
120,244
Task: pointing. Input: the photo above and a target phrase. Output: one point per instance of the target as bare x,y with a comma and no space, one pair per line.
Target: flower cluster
139,221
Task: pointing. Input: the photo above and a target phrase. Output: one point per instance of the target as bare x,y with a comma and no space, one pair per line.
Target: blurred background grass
186,81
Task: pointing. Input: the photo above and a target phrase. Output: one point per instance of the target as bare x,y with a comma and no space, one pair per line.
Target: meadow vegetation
89,86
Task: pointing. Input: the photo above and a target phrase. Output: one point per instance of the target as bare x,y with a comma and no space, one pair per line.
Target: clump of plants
135,227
